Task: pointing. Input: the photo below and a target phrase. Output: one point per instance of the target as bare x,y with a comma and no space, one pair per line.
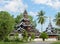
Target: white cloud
40,1
13,5
33,13
52,3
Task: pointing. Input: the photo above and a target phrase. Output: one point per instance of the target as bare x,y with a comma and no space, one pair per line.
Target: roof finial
25,14
50,22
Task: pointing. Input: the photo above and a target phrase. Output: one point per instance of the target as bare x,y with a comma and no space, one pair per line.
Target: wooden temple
50,30
25,24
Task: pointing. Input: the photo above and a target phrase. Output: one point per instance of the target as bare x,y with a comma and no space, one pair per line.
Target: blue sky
15,7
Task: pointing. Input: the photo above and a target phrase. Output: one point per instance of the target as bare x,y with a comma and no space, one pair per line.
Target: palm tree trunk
41,27
43,39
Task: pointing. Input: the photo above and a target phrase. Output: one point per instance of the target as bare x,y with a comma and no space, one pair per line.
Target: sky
15,7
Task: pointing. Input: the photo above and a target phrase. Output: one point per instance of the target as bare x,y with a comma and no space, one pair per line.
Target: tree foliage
33,22
41,18
59,37
25,35
32,35
18,18
58,19
44,36
6,24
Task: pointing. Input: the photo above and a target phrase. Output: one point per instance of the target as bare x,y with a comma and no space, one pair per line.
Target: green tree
25,35
44,36
32,35
31,18
58,37
7,23
33,22
18,18
41,18
58,19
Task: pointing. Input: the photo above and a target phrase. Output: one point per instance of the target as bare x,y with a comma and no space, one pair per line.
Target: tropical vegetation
41,18
7,23
44,36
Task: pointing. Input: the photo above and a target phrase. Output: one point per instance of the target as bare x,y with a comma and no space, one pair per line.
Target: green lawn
58,42
12,43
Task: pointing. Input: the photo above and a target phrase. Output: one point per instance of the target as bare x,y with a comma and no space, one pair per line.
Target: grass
12,43
58,42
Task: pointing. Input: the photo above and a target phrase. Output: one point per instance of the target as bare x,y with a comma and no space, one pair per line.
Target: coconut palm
41,18
58,19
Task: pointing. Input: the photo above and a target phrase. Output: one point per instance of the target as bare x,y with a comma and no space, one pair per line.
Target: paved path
40,43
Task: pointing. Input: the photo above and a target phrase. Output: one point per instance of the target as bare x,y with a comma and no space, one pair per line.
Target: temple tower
50,28
25,14
24,23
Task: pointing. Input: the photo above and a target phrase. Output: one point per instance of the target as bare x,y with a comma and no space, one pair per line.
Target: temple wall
52,36
49,39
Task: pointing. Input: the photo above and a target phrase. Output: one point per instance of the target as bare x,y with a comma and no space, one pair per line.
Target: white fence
49,39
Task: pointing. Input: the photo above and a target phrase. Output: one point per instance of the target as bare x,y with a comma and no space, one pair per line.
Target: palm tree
58,19
41,18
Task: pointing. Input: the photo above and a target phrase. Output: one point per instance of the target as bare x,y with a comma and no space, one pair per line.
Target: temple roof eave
53,34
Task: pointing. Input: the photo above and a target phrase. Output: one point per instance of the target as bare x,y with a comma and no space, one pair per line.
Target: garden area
21,34
29,21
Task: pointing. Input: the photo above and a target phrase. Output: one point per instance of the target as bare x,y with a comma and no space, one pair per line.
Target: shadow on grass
13,43
58,42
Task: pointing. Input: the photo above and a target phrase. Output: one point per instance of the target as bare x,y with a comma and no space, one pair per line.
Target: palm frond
58,19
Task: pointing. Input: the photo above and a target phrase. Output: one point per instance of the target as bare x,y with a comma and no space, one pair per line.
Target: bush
6,40
17,39
59,37
32,36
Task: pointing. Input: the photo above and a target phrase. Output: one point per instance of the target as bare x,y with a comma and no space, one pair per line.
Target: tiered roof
25,23
50,30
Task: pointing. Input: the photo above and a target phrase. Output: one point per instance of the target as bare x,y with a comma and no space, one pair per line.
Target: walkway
40,42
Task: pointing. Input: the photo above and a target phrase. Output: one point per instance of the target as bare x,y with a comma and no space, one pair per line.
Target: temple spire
25,14
50,25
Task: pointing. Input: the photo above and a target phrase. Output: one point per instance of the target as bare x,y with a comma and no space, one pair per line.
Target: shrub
17,40
59,37
6,40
